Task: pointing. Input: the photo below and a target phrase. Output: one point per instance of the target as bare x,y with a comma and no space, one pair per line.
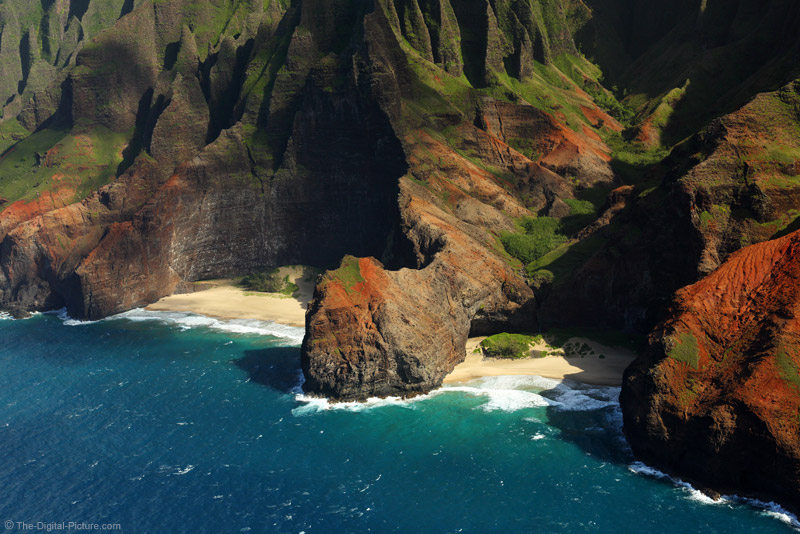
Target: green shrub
512,346
539,226
528,249
788,368
348,273
269,282
540,237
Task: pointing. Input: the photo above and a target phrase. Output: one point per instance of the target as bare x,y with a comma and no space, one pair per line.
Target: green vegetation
783,154
525,147
50,157
582,213
788,368
564,260
790,224
547,89
663,113
20,168
632,160
541,278
11,132
211,21
543,245
348,274
270,281
539,236
510,346
686,350
718,214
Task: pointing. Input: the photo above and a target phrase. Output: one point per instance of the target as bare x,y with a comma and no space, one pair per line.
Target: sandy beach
590,369
223,299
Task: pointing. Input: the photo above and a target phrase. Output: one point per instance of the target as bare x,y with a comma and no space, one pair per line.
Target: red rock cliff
716,397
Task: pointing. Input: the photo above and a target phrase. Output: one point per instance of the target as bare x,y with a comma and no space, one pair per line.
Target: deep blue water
167,429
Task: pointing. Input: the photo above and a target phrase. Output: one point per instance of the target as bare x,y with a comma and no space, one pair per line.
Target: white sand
225,300
589,369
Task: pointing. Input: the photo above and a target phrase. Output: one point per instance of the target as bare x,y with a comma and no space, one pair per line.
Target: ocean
171,423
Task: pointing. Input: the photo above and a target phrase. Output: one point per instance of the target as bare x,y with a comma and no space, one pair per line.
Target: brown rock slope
716,397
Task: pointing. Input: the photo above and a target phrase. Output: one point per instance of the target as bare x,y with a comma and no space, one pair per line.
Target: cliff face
716,396
376,332
307,173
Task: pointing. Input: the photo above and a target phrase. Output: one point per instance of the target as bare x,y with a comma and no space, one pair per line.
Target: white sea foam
313,405
67,320
186,321
500,398
767,508
183,471
694,494
775,510
5,316
567,396
502,393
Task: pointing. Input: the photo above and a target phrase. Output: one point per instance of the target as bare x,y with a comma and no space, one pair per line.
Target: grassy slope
86,161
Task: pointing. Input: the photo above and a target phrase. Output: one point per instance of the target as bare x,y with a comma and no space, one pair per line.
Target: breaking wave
502,393
185,321
768,508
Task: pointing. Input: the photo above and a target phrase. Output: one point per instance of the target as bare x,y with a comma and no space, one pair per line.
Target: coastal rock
716,397
377,333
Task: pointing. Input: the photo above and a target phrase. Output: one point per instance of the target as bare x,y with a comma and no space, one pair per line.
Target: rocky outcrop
716,396
375,333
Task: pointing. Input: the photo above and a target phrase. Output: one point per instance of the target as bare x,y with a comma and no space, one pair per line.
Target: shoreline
589,369
223,299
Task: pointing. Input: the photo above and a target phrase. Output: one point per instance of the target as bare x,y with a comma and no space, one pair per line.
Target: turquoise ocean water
172,423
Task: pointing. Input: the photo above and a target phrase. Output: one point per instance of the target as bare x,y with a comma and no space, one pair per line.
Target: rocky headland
716,396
